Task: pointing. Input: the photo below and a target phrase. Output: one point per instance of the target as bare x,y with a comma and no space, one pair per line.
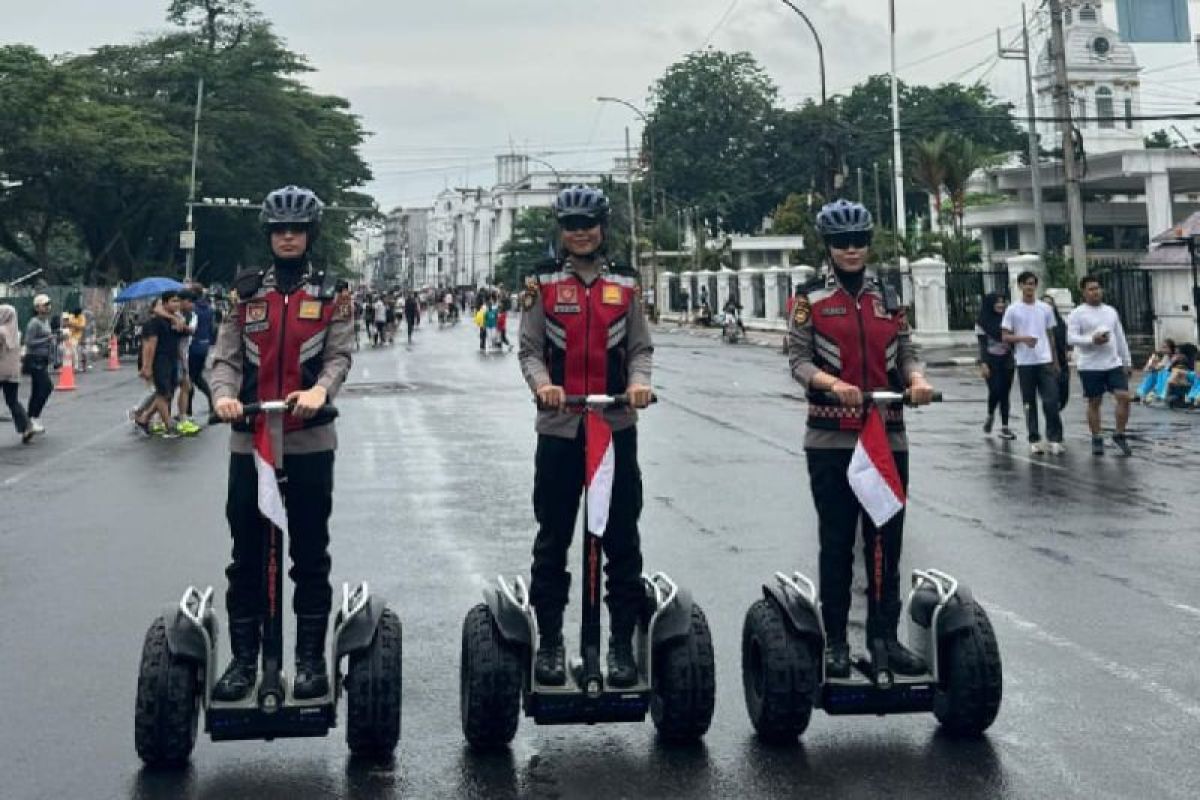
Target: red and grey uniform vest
858,341
283,340
586,348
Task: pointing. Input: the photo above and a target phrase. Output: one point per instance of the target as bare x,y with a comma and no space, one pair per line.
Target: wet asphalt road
1085,565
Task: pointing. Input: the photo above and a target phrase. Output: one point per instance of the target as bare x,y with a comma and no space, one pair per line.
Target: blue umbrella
147,287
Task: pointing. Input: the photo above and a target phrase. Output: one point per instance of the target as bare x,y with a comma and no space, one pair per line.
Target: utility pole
1026,55
898,155
878,197
860,185
633,242
188,240
1062,97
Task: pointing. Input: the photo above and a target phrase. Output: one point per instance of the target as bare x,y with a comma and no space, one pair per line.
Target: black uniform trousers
558,482
308,497
840,515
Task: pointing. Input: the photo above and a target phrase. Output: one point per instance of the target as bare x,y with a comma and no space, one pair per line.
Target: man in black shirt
160,362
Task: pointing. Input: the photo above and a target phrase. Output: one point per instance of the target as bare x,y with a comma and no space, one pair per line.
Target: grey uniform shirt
226,377
801,347
39,338
639,349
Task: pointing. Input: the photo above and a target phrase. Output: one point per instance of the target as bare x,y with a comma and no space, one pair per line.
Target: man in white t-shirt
1103,360
1028,325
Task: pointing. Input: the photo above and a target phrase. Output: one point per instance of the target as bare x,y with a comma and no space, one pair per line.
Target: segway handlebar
595,401
325,413
878,398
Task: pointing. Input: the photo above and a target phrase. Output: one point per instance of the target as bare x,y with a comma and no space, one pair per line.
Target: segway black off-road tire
971,678
780,672
684,688
491,675
374,693
167,709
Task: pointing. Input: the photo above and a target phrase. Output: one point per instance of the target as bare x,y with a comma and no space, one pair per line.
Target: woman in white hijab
10,370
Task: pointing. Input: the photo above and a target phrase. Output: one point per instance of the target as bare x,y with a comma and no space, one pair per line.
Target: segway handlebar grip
325,413
601,401
878,398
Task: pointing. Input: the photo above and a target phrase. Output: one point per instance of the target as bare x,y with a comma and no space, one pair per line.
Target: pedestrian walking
1028,325
10,371
1062,349
996,365
412,314
160,365
205,334
381,321
1104,362
40,349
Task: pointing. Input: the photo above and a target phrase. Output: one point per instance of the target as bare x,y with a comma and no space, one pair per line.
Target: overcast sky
443,85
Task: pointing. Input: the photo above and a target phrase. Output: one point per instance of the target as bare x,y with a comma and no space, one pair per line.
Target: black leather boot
312,677
550,666
239,677
837,660
903,661
622,667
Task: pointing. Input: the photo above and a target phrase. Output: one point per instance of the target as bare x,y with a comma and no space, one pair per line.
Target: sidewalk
932,356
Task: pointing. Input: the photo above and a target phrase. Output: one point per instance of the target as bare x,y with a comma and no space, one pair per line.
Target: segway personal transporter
783,655
179,663
672,647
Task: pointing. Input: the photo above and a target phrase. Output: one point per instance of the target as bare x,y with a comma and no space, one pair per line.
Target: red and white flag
270,500
873,475
601,461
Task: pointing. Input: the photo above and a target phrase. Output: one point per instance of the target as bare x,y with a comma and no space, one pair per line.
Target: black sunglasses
844,241
289,227
578,223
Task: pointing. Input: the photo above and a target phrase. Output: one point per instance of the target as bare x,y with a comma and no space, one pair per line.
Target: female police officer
583,332
288,339
848,335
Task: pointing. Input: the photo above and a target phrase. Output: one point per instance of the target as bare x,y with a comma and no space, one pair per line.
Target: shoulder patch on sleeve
803,310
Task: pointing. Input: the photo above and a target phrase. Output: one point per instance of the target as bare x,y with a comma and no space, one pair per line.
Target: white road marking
13,480
1115,669
1186,608
1040,462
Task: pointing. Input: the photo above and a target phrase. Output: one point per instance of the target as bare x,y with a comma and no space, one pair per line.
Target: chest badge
256,312
612,295
310,309
566,299
834,311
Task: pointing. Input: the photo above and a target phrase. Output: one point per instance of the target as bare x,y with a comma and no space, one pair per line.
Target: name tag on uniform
256,312
310,309
611,296
834,311
566,299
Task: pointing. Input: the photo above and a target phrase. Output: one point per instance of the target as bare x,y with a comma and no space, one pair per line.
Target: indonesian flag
270,500
873,475
600,467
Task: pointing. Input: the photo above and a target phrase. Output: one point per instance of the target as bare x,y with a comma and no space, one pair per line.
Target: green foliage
533,235
710,120
1159,140
796,216
101,143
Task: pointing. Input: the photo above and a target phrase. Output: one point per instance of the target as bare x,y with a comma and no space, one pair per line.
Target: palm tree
928,169
961,159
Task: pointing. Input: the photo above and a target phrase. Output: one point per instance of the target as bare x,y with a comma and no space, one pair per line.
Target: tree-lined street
1085,565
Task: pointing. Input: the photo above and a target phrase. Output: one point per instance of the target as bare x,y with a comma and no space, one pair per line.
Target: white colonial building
465,228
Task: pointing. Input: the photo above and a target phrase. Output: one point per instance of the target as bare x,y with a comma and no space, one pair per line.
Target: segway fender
184,637
358,632
956,614
674,621
511,620
796,610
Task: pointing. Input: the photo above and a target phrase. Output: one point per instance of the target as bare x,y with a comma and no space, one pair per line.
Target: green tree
710,118
796,216
531,242
1159,140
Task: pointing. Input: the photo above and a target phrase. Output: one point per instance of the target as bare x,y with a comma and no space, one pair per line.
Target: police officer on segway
583,331
849,335
289,338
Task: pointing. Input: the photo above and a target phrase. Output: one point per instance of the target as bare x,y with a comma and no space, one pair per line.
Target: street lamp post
188,239
557,177
653,191
820,46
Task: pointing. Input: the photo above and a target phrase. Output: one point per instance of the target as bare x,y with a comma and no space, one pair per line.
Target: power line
720,23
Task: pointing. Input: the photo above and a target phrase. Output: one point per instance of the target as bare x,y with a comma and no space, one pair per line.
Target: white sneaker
36,426
1038,448
1057,448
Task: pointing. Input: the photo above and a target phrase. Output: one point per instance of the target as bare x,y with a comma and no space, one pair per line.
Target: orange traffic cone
114,360
66,377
